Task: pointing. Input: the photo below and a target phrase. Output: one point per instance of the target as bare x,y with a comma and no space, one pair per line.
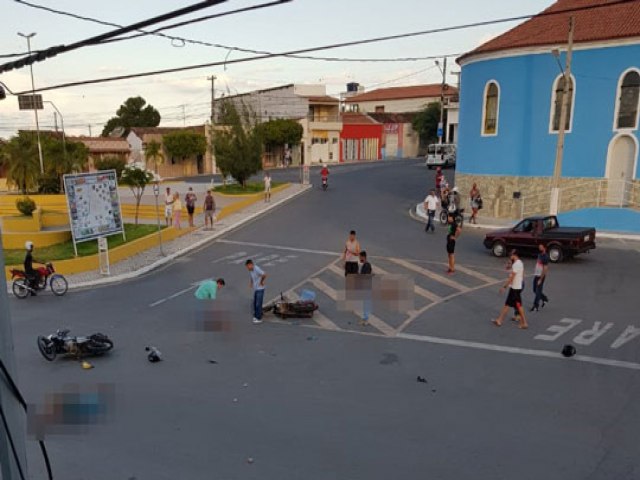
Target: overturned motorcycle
64,344
302,308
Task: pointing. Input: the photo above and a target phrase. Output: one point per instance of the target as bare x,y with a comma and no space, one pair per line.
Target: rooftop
399,93
352,118
139,131
595,21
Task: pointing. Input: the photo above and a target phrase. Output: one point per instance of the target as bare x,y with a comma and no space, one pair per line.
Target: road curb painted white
600,234
184,251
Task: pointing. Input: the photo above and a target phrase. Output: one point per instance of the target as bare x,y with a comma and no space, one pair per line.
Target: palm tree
21,159
153,152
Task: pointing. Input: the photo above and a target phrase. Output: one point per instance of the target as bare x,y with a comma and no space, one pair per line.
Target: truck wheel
555,254
499,249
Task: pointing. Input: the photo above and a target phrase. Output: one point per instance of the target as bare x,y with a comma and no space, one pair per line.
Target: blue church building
511,96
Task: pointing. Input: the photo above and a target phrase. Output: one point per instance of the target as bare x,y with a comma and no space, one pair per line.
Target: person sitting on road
33,276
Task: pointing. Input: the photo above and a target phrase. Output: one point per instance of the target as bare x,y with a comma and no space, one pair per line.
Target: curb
599,234
184,251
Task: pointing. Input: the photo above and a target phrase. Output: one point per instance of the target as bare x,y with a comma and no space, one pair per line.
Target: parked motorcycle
457,216
283,308
47,276
61,343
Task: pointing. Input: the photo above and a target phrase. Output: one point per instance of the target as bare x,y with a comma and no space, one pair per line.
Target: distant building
510,110
399,139
408,99
103,147
361,138
318,113
168,166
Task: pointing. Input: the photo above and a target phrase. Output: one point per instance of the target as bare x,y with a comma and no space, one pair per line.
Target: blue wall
524,146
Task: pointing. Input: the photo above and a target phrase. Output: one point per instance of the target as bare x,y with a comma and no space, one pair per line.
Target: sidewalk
489,223
151,259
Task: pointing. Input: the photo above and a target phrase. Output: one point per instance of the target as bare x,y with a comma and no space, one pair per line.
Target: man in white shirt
430,206
514,298
168,206
267,187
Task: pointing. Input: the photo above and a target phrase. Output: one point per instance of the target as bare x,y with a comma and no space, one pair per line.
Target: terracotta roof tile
322,99
598,21
393,117
353,118
398,93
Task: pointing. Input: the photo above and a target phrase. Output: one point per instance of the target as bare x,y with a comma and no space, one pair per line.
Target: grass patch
64,251
249,188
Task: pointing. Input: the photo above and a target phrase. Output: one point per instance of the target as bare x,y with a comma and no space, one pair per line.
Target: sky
184,97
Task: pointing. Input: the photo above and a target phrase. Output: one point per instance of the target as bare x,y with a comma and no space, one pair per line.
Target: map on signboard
94,205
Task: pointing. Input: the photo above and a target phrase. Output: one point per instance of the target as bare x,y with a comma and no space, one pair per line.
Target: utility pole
213,98
184,117
13,459
89,129
441,132
557,170
55,121
33,94
64,135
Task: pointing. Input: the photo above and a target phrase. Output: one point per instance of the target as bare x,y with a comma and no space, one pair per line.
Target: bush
26,206
111,163
49,183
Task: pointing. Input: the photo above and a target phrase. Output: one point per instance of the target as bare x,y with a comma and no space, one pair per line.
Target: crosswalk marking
431,275
324,288
417,289
318,317
478,275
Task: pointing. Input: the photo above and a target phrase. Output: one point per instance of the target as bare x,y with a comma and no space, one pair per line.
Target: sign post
103,256
305,175
93,202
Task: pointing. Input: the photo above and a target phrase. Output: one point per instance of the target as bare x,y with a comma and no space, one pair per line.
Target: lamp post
33,92
442,69
64,139
566,75
156,193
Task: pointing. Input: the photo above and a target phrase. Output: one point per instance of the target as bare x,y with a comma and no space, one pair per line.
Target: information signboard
94,205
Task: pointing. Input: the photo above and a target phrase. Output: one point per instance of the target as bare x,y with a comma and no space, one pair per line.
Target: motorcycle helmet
28,245
455,189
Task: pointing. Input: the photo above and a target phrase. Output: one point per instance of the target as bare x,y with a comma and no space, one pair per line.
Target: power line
326,47
185,40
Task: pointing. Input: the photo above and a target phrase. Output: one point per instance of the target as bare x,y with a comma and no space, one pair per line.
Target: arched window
490,109
558,92
628,101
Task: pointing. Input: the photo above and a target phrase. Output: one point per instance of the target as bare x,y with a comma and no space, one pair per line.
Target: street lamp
443,70
64,139
33,92
156,193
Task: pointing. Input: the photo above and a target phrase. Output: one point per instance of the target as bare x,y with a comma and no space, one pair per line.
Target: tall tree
185,144
61,159
20,158
137,180
280,132
153,152
134,112
238,145
426,122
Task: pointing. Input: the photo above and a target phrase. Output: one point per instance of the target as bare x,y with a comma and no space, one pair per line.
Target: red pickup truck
561,242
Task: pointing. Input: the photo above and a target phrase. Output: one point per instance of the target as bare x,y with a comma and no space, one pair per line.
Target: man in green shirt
208,290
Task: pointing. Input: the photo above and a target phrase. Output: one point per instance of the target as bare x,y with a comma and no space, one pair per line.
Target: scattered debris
86,365
245,385
213,361
154,354
421,379
568,351
312,338
433,390
250,460
235,400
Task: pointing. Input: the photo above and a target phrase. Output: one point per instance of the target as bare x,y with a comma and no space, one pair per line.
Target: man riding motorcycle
33,276
324,173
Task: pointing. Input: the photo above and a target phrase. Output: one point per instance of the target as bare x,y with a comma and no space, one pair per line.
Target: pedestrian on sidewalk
209,210
514,298
256,283
539,276
453,232
439,179
177,210
476,202
351,254
267,187
365,286
190,200
430,206
168,206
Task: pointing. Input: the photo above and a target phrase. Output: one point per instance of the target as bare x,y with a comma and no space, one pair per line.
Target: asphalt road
326,398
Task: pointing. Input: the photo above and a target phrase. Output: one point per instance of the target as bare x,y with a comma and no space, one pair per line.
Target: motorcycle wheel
443,217
59,285
48,350
459,219
99,347
20,288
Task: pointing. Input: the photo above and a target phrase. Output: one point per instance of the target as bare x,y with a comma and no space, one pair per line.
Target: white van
441,155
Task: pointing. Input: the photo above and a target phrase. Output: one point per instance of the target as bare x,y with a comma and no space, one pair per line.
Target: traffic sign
30,102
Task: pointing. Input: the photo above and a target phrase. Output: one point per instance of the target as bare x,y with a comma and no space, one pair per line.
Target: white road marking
519,351
629,334
324,288
277,247
558,330
427,273
318,317
193,286
478,275
244,259
233,256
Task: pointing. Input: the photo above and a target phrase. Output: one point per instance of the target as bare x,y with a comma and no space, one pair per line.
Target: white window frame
553,104
617,103
484,108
